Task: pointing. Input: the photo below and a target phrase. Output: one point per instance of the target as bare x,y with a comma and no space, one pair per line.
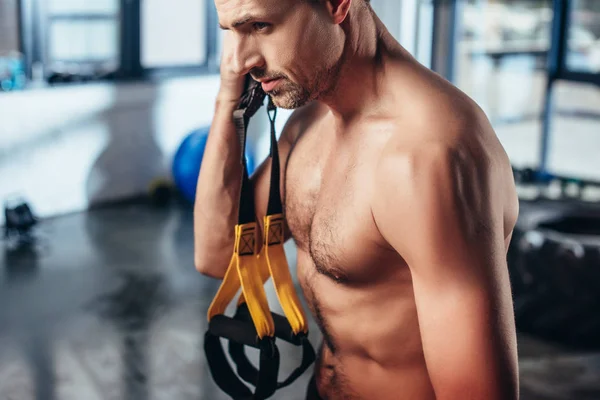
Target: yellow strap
270,262
229,287
263,271
273,263
252,285
245,263
274,254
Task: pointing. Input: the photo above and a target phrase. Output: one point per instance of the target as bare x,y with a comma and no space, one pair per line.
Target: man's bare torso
358,288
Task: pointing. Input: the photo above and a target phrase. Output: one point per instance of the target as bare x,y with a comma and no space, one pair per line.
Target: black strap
221,371
235,329
241,331
275,206
248,372
228,381
250,102
246,213
283,331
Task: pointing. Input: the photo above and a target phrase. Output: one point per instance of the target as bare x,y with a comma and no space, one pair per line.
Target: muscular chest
327,204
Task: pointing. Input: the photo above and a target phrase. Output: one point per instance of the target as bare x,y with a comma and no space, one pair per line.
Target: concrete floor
109,306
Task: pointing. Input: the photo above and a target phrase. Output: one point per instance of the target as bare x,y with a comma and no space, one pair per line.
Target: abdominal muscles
371,347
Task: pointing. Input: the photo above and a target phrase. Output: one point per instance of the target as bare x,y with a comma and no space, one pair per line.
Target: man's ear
338,9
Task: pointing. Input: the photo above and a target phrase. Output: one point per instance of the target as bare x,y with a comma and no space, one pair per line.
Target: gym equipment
12,72
188,159
19,221
253,323
565,187
160,192
554,263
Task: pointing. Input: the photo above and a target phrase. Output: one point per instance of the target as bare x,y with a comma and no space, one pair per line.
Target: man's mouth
269,85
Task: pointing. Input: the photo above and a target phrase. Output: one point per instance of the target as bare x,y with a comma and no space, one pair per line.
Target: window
424,32
83,37
571,130
390,13
75,40
501,55
410,23
526,62
583,41
173,36
500,60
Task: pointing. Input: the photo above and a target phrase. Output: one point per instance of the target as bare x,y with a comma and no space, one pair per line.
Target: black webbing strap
248,107
221,371
274,205
252,100
250,374
283,331
246,213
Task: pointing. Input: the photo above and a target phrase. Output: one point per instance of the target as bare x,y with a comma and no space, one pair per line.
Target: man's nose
246,57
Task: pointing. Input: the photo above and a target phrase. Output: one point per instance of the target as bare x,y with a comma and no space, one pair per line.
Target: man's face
288,41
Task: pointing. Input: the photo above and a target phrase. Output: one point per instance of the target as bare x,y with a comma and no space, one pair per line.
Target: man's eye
260,26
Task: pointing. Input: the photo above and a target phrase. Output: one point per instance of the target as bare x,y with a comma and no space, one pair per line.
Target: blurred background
104,110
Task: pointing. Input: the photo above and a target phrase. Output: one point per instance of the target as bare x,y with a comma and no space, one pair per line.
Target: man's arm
217,199
440,209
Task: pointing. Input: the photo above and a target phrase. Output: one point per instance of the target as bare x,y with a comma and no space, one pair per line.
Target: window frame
34,27
558,70
446,24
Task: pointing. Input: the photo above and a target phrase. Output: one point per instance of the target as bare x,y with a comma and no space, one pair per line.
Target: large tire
554,263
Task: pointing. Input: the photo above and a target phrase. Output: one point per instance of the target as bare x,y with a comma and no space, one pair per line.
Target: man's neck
358,85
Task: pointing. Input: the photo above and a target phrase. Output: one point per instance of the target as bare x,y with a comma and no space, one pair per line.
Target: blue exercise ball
188,160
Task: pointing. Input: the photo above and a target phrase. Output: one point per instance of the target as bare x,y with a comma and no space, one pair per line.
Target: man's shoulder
426,176
436,123
416,160
440,147
431,105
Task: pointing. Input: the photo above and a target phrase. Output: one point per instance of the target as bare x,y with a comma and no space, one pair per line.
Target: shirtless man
397,193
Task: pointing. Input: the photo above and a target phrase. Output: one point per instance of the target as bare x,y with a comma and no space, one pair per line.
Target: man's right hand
232,75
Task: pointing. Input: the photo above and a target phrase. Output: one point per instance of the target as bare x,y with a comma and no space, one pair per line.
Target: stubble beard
290,95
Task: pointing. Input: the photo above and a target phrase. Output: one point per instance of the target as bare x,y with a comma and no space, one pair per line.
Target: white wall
67,147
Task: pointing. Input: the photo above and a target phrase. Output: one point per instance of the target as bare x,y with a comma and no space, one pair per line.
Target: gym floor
107,305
